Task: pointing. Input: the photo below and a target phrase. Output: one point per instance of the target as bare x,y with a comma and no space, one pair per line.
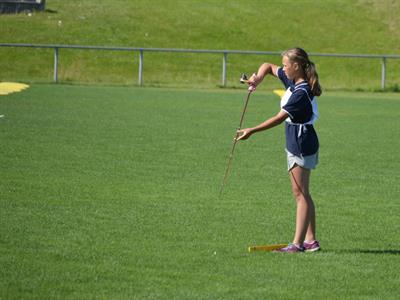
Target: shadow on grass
364,251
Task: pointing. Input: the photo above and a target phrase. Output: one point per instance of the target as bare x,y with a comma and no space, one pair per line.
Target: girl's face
291,69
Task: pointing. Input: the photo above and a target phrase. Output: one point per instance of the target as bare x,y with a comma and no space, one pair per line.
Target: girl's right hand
243,134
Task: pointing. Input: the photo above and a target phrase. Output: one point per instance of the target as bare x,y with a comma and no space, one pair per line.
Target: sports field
112,193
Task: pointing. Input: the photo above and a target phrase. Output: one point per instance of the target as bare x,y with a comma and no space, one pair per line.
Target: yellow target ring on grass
11,87
280,93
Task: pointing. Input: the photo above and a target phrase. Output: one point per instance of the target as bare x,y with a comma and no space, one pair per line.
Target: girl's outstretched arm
263,70
244,134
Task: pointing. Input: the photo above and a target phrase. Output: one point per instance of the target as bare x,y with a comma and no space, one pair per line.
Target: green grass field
328,26
112,193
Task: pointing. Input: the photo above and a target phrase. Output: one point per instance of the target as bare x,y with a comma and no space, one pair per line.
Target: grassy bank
368,27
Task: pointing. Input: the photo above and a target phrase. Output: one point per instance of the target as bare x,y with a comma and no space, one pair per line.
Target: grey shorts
307,162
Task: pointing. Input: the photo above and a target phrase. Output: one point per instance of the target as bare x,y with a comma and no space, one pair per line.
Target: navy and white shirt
301,106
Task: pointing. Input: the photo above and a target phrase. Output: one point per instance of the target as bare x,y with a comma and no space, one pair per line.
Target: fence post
224,64
383,75
55,77
140,67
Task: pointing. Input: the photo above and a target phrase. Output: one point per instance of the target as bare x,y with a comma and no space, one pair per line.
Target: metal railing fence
224,53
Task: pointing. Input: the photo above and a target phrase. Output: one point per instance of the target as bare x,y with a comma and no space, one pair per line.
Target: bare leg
310,235
305,214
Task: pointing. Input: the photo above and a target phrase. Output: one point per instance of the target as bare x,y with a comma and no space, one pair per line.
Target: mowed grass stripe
113,193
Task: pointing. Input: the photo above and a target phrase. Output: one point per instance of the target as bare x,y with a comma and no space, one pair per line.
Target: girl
299,110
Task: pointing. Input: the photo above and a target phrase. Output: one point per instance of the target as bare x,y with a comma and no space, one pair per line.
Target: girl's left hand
254,80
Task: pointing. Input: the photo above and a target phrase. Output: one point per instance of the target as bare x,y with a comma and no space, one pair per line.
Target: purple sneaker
291,248
311,247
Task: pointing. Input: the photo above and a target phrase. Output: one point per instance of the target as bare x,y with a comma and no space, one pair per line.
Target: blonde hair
300,56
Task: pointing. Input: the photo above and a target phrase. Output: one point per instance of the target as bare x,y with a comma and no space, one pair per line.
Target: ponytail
300,56
312,78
